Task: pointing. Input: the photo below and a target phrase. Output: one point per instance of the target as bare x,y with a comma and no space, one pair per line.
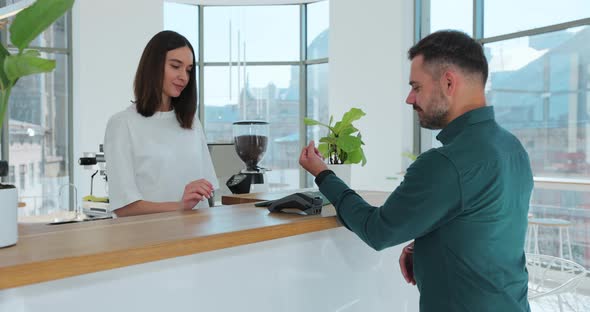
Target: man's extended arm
429,196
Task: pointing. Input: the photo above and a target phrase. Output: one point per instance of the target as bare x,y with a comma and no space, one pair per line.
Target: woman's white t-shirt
153,158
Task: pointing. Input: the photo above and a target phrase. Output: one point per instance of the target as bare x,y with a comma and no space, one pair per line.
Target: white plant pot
8,217
342,171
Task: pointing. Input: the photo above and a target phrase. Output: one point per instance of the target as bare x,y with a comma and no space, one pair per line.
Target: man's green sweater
466,205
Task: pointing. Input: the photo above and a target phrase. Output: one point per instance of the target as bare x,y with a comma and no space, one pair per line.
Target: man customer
465,204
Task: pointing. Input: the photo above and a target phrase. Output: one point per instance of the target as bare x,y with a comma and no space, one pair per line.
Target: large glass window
253,72
184,19
539,85
38,126
451,14
508,16
246,31
318,26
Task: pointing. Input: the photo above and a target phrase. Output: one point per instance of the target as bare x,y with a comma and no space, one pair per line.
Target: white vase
8,217
342,171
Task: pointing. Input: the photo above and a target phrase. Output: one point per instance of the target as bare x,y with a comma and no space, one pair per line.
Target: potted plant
343,145
26,26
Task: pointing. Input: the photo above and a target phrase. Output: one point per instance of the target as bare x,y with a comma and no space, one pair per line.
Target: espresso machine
95,206
250,141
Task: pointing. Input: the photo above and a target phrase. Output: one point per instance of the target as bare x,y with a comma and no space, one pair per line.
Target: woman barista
155,149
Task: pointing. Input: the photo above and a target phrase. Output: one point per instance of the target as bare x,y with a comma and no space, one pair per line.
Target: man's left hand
311,160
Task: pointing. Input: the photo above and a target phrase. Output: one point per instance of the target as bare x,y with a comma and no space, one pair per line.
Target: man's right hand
194,192
406,263
311,160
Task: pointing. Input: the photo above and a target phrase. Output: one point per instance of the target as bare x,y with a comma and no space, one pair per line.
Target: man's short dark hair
450,47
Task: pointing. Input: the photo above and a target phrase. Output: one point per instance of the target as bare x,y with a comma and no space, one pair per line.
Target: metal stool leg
529,238
536,232
569,243
560,244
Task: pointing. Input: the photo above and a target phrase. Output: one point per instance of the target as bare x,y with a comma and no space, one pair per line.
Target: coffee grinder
250,141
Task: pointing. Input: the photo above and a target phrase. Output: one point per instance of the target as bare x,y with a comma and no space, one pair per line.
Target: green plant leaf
311,122
329,140
32,21
348,143
364,160
352,115
31,53
17,66
348,130
354,157
4,83
323,149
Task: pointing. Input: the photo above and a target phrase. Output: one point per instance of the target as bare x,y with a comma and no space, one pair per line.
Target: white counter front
330,270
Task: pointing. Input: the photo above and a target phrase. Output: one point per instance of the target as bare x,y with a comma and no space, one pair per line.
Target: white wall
369,70
108,39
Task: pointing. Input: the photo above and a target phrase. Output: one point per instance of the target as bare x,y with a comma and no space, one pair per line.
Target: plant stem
4,97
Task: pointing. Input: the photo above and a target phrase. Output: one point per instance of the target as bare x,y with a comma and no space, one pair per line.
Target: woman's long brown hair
150,77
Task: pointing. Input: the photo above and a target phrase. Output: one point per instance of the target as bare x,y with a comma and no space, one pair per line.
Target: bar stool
560,224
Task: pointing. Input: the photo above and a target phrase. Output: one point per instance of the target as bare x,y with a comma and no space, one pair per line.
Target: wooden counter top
49,252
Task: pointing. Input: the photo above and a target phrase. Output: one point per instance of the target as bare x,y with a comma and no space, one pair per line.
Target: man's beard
438,108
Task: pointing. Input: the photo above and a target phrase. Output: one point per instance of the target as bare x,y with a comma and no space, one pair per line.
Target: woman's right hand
194,192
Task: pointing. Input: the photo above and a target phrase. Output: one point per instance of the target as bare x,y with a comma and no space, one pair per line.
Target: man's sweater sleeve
429,196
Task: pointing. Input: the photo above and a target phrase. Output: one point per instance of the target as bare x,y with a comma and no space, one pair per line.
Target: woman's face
177,69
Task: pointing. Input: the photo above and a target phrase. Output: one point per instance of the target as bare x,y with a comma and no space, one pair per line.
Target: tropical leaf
323,149
348,143
348,130
337,128
364,160
329,140
355,157
16,66
32,21
352,115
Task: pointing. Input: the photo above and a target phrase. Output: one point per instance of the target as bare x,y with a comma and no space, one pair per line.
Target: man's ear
448,81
